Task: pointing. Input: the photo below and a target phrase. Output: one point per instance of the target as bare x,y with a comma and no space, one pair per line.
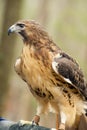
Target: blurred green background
66,22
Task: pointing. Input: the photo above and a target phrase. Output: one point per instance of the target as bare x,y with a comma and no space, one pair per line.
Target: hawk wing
67,68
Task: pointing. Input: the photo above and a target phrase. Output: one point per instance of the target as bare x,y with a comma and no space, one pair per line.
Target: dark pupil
21,25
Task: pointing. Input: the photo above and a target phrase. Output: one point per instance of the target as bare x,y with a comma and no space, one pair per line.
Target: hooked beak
12,29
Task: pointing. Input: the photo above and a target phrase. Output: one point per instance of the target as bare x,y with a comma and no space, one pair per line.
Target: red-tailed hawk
53,77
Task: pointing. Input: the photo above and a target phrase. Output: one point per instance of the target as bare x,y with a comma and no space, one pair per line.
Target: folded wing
69,70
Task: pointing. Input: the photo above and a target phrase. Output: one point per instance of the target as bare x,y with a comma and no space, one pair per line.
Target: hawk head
29,30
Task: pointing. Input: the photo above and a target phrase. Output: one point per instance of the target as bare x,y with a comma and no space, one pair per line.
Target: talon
33,123
23,122
36,120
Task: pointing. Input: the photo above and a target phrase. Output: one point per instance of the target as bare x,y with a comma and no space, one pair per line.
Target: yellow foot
23,122
61,126
36,120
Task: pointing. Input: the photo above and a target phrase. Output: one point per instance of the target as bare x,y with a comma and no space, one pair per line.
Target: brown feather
46,83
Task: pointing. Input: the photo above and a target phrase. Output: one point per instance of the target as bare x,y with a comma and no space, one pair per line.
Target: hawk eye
20,25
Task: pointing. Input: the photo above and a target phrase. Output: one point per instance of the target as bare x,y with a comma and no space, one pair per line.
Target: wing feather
69,70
